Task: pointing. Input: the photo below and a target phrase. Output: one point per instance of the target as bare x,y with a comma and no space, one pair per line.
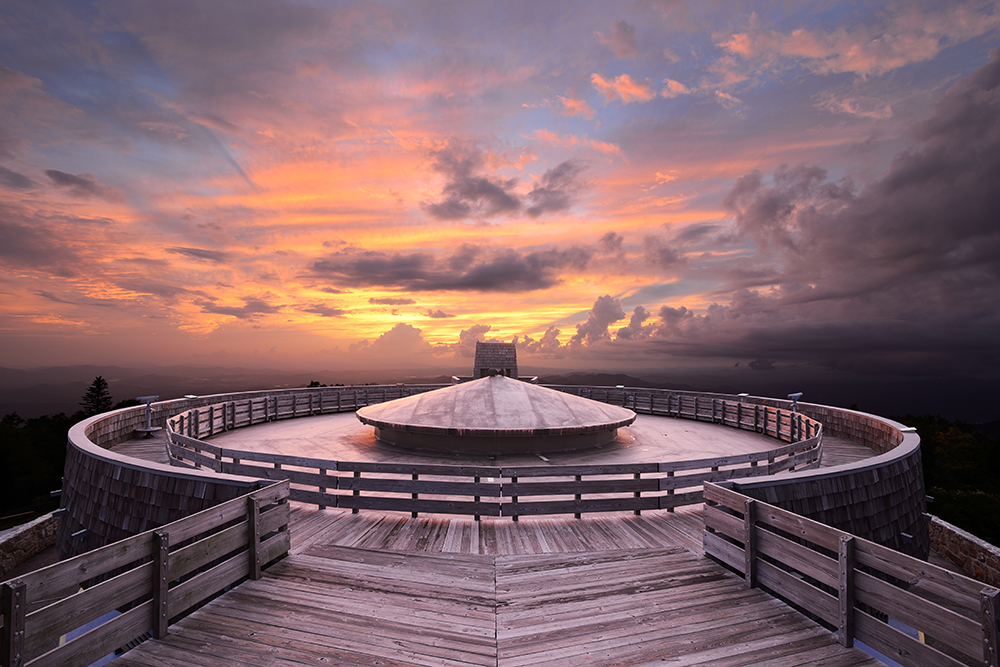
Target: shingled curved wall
107,497
881,499
112,496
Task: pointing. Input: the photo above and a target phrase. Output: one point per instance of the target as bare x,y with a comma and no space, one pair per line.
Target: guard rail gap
493,490
150,579
854,586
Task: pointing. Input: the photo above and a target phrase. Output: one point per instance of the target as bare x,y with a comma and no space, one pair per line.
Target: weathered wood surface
864,577
388,590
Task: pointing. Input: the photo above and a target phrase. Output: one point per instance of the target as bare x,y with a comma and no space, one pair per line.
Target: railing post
513,499
578,496
357,491
476,480
322,489
161,569
989,603
846,590
750,542
638,494
12,637
670,491
253,526
413,496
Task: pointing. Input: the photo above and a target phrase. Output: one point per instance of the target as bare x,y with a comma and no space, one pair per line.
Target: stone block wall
27,541
977,558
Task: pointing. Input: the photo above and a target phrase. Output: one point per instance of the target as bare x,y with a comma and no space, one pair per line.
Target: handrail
454,489
852,585
149,578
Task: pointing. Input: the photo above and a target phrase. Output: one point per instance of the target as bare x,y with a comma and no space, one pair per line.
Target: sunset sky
616,185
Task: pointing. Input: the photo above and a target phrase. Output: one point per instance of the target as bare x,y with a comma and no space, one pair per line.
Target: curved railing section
493,490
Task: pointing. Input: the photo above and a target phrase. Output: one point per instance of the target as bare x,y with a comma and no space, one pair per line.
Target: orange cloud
909,37
574,107
570,140
623,88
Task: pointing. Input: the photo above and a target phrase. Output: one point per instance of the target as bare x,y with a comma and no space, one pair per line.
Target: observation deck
428,561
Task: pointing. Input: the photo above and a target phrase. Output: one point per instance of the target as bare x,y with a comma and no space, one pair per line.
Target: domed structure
495,415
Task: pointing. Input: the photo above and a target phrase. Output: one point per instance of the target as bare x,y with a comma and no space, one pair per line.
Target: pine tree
98,398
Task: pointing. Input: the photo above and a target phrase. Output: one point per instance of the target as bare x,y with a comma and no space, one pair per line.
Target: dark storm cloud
390,301
215,256
251,309
606,311
81,185
28,243
468,193
325,310
658,253
555,189
473,270
905,270
14,180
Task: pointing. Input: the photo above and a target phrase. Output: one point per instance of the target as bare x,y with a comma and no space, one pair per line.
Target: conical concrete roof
496,414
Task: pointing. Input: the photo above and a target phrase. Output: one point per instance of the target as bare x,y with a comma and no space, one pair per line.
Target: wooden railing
494,491
854,586
147,579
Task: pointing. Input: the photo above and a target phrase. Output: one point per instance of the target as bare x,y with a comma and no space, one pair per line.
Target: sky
620,186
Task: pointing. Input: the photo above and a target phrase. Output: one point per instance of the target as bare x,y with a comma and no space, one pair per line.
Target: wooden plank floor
376,589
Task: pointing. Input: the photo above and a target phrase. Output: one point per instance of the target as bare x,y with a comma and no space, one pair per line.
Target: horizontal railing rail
132,588
855,587
493,491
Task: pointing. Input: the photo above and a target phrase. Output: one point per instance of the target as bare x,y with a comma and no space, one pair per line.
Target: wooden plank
45,626
845,590
808,597
955,588
13,600
194,556
420,469
253,537
809,562
989,599
207,584
102,640
426,487
579,506
280,459
698,479
586,470
799,526
568,487
419,505
943,624
65,577
749,543
724,523
293,476
680,499
161,583
899,647
724,496
728,553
